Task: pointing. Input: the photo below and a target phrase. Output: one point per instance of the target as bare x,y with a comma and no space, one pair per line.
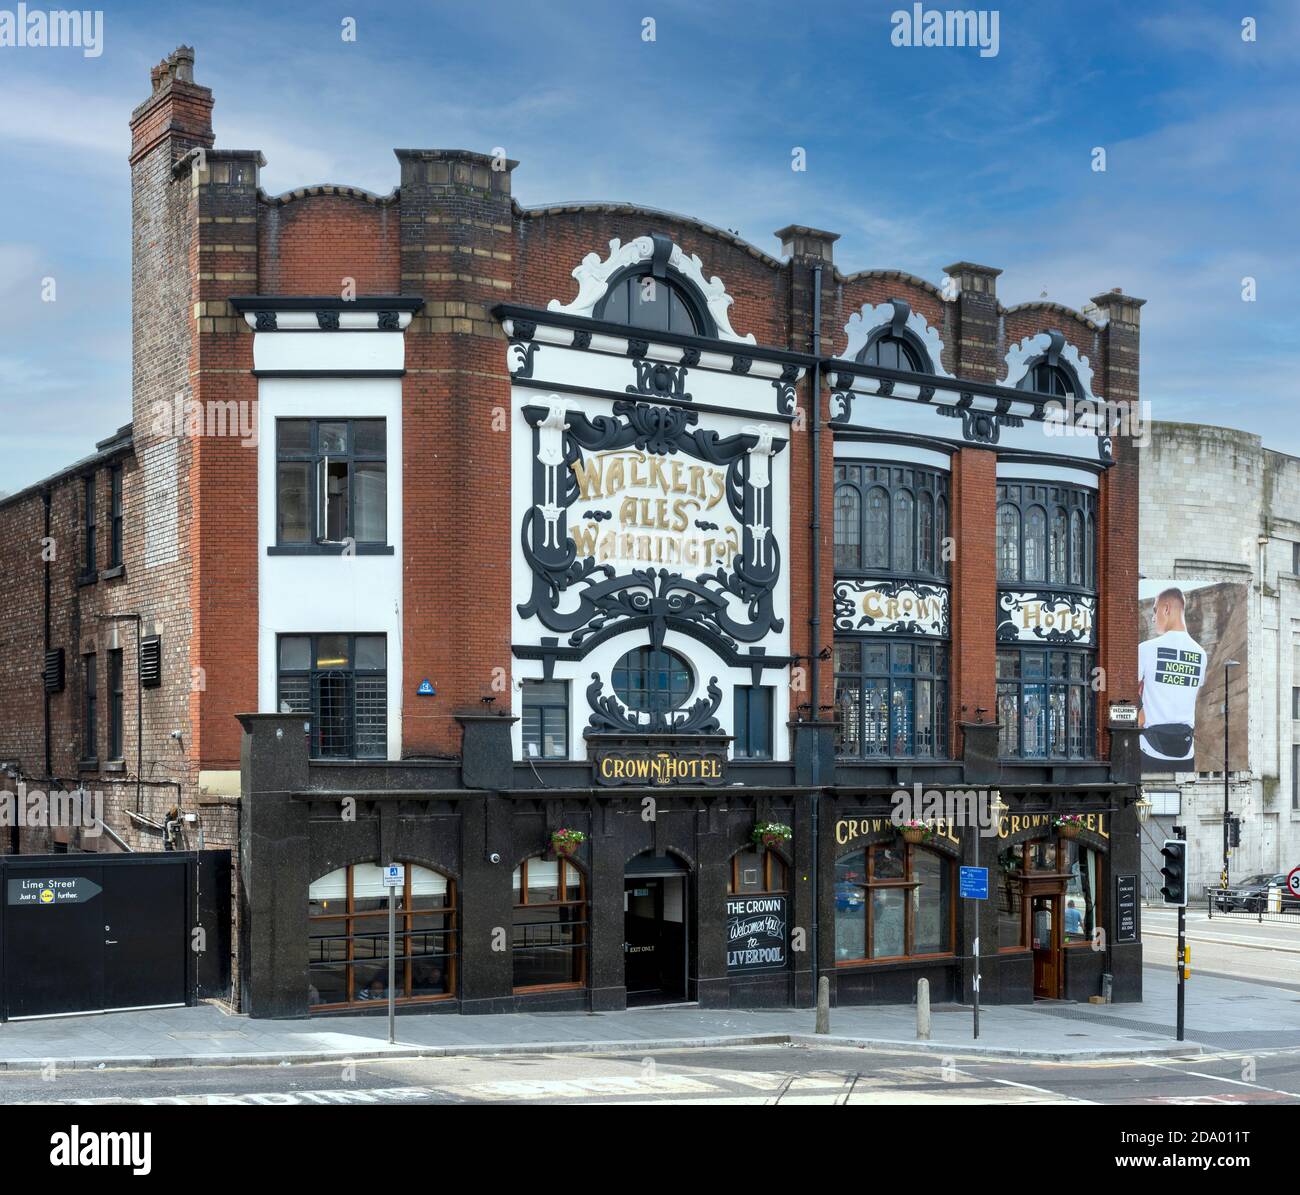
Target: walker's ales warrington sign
615,765
756,933
891,607
1044,617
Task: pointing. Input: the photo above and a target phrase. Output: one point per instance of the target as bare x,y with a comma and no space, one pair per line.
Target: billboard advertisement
1188,631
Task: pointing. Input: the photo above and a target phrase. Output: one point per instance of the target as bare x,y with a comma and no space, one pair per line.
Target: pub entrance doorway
1045,928
656,939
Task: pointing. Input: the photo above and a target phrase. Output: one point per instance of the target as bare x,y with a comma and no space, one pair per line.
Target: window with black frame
1046,703
752,727
895,352
115,516
115,705
341,681
1046,534
655,304
1042,377
549,937
890,518
545,724
331,484
891,698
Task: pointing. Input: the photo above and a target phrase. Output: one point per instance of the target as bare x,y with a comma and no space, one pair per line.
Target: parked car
1251,895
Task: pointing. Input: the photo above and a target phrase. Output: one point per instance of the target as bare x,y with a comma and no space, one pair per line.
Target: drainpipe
814,619
47,499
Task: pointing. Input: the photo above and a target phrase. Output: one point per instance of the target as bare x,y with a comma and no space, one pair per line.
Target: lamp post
1227,813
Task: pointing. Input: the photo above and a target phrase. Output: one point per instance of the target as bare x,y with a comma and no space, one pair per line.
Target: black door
145,942
53,940
654,939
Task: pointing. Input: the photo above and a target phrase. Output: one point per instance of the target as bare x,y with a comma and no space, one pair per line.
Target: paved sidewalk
1222,1015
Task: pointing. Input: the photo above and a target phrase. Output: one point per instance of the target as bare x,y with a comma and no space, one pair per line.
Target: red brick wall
313,245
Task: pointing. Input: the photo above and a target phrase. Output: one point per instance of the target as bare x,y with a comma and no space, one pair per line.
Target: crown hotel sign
660,761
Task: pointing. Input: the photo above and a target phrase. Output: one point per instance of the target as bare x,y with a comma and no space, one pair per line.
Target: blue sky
917,156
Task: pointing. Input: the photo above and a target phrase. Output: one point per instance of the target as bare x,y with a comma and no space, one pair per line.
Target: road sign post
973,884
394,878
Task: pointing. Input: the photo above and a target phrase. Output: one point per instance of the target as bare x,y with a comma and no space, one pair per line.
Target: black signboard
61,890
1126,908
756,933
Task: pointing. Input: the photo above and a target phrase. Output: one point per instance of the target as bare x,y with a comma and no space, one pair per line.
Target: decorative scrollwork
611,715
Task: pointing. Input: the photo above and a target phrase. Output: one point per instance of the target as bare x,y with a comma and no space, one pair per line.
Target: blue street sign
973,883
425,689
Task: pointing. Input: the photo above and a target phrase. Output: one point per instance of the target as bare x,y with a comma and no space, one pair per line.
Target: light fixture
1143,808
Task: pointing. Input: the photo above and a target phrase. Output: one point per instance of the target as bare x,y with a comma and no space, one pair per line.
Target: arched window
549,938
758,871
941,533
1008,542
1059,547
893,900
904,532
652,681
877,529
1035,544
1054,380
848,527
893,352
347,932
925,533
641,300
1077,554
1057,542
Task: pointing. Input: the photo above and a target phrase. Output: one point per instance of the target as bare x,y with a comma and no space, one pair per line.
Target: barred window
890,517
891,698
1046,533
1046,706
341,681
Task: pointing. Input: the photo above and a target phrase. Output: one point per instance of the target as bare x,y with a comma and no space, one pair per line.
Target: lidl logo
47,896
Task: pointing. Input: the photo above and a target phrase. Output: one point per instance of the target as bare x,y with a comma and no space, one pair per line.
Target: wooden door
1045,937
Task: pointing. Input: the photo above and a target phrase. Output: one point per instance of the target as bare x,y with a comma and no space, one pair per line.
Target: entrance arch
657,938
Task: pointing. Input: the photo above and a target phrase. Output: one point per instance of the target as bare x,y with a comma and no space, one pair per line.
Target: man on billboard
1171,668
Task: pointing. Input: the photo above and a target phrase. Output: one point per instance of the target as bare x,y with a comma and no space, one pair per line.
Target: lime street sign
63,890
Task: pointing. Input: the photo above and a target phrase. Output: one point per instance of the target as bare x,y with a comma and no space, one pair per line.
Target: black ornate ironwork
265,321
610,715
327,321
581,339
979,427
784,387
657,380
390,321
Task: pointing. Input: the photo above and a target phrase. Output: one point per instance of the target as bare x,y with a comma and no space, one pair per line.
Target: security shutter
151,662
54,670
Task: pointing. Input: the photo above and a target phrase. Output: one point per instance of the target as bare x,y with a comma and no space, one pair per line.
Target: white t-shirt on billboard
1171,668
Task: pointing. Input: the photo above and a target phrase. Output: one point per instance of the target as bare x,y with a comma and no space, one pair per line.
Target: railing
1274,904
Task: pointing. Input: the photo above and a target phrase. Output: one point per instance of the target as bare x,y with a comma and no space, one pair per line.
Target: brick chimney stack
177,110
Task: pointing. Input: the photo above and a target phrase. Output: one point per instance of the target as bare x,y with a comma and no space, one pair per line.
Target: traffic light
1234,831
1174,853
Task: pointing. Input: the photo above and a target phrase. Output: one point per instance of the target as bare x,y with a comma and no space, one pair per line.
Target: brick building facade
518,560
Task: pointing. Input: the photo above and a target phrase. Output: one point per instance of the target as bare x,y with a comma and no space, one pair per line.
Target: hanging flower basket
1068,825
565,842
770,834
916,831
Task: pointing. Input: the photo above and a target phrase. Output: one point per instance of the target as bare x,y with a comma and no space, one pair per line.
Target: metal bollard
824,1004
922,1010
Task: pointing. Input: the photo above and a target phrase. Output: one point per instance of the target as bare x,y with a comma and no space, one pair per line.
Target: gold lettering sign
650,767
